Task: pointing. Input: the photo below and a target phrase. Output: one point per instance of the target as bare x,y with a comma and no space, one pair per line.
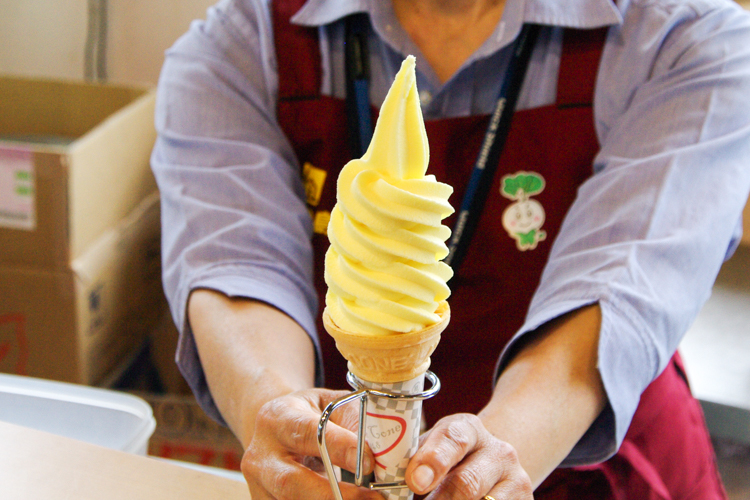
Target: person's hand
458,459
283,462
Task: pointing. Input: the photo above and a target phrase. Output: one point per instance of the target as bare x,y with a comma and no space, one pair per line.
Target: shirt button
425,97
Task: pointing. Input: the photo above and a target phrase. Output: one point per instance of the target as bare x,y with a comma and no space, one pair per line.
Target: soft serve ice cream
383,268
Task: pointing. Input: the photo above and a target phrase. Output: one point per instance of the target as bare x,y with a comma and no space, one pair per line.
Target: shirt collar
569,13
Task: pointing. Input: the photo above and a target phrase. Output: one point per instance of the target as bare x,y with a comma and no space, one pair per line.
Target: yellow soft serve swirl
383,268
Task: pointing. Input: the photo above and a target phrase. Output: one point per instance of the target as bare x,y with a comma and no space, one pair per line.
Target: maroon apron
667,453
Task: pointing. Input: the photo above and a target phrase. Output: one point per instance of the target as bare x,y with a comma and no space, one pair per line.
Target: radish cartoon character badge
523,219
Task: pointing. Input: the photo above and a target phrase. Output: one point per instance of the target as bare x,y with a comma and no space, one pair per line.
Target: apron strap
299,77
579,64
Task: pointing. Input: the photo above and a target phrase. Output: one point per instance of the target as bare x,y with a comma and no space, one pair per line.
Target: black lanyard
485,166
488,158
357,65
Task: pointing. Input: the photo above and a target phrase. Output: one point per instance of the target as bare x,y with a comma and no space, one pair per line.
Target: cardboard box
74,160
184,432
76,324
162,345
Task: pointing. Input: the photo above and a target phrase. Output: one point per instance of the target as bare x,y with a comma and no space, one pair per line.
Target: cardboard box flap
118,283
56,108
104,185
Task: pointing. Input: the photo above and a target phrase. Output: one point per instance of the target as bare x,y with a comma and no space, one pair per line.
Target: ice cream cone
389,358
396,364
383,269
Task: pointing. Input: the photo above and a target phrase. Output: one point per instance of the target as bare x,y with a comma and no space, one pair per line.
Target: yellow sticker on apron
315,179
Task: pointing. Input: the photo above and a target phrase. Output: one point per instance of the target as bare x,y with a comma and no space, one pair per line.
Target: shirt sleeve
233,212
650,229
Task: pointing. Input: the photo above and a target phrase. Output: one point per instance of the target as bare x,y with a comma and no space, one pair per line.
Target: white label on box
17,196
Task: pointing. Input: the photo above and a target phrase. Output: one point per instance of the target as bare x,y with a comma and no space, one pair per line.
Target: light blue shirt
645,237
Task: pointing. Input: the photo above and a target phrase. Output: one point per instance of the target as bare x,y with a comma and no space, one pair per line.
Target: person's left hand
458,459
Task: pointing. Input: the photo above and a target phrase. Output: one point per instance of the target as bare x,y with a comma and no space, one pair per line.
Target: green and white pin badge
524,218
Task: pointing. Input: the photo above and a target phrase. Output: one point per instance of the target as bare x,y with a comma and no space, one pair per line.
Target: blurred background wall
51,38
48,38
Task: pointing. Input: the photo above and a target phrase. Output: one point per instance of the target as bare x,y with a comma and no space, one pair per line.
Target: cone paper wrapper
392,431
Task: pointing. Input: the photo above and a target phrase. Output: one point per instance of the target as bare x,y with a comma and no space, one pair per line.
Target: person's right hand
283,462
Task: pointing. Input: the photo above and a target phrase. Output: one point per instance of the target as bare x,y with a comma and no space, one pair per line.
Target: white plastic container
107,418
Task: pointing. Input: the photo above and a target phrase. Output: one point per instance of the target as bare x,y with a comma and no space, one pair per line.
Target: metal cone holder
362,394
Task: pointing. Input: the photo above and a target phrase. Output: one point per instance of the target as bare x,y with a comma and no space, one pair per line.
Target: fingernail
423,477
351,461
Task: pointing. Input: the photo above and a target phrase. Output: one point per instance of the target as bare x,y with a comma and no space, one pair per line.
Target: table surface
36,464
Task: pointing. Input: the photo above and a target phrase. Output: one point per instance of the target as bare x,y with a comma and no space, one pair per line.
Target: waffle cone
390,358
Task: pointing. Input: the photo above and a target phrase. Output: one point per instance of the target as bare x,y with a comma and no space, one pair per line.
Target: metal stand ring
362,393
